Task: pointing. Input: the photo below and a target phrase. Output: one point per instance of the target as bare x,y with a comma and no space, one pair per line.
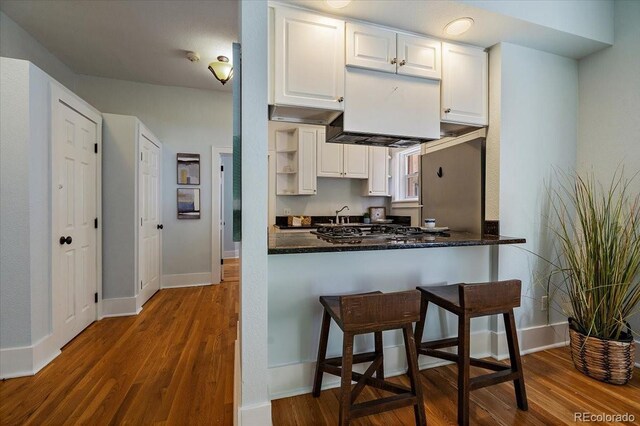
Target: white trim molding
297,379
186,280
28,360
531,339
256,415
120,307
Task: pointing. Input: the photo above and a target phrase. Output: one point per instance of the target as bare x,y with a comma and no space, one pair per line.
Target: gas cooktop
354,235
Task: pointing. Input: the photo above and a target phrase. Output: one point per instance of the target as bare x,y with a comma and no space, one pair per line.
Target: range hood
296,114
337,134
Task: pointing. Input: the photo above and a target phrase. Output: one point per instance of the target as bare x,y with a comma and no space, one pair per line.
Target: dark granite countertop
290,243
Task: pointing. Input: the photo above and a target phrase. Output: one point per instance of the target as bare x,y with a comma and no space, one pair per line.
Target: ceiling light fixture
338,4
221,69
193,56
458,26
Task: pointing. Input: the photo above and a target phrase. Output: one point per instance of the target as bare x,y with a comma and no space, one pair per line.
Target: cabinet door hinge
222,261
222,168
95,148
95,297
95,223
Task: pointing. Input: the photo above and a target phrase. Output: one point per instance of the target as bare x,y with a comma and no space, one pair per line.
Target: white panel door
419,56
307,177
149,204
309,60
356,161
465,84
330,161
74,212
370,47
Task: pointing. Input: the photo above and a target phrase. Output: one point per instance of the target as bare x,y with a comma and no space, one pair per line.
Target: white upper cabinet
356,161
419,56
377,183
341,160
330,158
371,47
464,84
308,59
386,50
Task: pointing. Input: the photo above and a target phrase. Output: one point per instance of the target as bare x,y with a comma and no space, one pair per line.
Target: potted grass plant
599,233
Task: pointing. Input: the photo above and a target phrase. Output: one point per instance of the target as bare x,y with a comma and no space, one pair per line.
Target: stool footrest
489,365
493,379
364,379
383,404
357,359
441,343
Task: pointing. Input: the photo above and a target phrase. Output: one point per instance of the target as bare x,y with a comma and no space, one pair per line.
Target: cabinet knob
66,240
340,99
403,62
394,61
447,111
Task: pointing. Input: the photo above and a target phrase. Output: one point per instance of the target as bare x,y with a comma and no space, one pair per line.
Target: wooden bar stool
469,301
370,313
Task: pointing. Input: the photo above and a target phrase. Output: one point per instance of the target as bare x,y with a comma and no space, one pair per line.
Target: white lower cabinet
296,161
377,183
342,160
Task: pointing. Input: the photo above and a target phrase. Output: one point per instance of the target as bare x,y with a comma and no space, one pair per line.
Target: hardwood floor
171,364
555,391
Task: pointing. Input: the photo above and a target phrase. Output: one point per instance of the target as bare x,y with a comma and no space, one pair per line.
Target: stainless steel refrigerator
452,186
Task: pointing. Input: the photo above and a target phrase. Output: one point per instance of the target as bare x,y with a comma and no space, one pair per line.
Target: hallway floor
171,364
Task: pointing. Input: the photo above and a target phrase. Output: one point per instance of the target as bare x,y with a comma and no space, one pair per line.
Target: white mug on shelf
429,223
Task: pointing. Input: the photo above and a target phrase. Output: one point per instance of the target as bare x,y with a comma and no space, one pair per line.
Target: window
408,172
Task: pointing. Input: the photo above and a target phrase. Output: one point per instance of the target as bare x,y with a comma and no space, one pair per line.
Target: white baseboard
297,379
27,360
120,307
186,280
531,339
231,254
256,415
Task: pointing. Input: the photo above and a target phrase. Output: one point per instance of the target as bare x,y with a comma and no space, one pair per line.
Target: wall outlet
287,212
544,303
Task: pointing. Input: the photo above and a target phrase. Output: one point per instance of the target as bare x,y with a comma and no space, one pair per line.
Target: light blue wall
609,108
184,120
539,101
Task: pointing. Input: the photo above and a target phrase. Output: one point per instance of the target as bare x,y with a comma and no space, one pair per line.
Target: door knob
160,226
66,240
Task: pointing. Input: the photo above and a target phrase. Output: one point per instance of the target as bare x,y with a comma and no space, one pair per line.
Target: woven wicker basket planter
609,361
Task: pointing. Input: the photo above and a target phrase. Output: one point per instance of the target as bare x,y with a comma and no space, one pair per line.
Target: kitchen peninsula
303,267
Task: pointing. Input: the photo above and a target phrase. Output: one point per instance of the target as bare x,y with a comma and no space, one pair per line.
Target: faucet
338,212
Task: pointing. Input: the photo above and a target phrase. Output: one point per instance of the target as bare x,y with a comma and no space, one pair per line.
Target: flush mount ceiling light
193,56
458,26
221,69
337,4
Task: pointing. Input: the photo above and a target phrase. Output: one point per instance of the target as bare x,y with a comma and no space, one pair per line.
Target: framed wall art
188,169
188,203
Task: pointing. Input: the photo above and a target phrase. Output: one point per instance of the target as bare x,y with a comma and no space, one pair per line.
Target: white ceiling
147,40
143,40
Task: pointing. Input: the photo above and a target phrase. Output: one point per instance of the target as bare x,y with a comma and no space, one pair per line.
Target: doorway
222,244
